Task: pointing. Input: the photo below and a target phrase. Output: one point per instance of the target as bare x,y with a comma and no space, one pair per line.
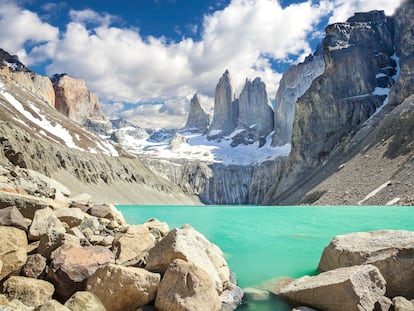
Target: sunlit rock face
294,83
39,86
198,120
255,109
75,100
359,70
226,108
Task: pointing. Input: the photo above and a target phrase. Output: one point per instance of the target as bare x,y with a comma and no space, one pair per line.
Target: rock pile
62,253
360,271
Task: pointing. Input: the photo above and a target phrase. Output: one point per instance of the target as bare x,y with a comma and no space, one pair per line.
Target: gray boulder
391,251
355,288
45,221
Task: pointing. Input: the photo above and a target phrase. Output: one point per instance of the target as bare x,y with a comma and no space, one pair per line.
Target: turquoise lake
262,243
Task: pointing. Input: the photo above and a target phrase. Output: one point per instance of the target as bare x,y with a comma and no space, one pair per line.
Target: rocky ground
59,252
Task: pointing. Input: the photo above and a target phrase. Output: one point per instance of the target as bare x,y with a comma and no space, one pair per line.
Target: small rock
82,199
231,298
256,294
84,301
383,304
11,216
30,291
71,216
34,267
107,211
53,240
44,221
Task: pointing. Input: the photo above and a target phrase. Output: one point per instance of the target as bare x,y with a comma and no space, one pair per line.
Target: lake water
262,243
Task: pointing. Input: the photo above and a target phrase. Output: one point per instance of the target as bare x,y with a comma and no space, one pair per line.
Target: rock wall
216,183
75,100
255,108
226,108
295,81
344,96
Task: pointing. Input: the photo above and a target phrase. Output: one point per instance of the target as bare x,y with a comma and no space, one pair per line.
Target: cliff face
295,81
75,100
345,95
226,108
198,120
12,69
255,111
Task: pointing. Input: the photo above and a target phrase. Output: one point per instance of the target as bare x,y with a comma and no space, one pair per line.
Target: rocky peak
295,81
12,61
198,120
255,108
75,100
225,108
12,69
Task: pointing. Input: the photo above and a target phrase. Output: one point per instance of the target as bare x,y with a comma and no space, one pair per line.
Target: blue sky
146,58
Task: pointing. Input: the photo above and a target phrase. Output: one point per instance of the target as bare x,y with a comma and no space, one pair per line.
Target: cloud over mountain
247,37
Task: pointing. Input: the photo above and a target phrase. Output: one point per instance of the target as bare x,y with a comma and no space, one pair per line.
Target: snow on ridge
198,147
398,68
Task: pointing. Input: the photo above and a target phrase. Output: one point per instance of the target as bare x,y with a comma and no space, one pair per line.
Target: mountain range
340,131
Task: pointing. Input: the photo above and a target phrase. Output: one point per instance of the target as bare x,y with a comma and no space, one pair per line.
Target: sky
145,59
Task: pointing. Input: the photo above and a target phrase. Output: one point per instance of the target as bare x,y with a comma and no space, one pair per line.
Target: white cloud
122,66
343,9
19,26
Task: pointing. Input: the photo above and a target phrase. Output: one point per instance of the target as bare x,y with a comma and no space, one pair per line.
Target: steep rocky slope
34,135
340,136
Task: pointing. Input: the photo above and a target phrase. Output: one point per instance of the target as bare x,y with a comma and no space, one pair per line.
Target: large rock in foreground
355,288
186,287
123,288
191,246
391,251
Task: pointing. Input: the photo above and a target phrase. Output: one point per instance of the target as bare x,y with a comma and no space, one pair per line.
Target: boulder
383,304
34,267
53,240
53,305
82,301
402,304
13,250
44,221
84,199
71,216
132,247
389,250
231,298
31,292
26,204
107,211
71,266
158,228
190,245
354,288
186,287
256,294
11,216
123,288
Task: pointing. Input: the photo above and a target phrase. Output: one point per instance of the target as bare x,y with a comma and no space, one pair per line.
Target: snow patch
398,68
375,192
56,130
